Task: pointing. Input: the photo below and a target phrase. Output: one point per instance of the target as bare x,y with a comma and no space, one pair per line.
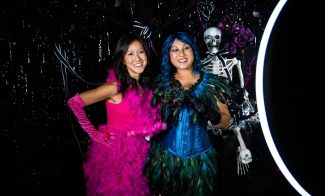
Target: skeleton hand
245,156
243,159
214,130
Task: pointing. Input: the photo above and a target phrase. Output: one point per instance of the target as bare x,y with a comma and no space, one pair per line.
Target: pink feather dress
117,167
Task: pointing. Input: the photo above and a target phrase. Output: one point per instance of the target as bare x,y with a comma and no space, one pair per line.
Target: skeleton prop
216,63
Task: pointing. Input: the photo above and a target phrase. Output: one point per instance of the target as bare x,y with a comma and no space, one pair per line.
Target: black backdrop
43,148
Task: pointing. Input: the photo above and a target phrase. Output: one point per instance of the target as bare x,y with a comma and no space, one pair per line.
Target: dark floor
52,166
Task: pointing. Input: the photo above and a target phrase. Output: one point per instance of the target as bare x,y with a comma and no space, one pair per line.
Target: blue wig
166,67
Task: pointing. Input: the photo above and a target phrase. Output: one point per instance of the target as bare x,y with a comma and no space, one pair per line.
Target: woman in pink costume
117,152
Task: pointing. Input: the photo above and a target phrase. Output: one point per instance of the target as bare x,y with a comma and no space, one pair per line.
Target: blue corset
186,139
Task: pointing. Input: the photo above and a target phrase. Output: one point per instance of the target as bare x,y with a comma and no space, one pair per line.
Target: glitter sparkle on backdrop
46,146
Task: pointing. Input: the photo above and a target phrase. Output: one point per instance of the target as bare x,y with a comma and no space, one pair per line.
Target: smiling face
181,55
135,59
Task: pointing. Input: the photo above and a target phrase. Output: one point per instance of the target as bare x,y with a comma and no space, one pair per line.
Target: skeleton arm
241,77
239,137
244,155
240,72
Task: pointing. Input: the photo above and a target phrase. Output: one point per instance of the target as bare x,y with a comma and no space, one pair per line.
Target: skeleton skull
212,39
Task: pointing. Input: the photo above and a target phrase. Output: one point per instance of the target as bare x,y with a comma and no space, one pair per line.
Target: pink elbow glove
76,104
149,130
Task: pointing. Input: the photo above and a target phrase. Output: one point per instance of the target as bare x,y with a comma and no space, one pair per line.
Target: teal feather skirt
171,175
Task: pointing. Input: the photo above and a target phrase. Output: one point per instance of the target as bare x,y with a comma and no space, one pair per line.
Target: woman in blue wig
182,160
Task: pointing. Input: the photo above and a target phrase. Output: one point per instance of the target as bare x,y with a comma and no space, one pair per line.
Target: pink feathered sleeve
76,104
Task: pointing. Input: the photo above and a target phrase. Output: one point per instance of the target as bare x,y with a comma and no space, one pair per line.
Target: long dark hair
122,75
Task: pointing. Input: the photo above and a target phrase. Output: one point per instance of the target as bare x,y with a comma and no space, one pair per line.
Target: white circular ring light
260,100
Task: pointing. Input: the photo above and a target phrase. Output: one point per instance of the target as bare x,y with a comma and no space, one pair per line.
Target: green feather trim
171,94
170,175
